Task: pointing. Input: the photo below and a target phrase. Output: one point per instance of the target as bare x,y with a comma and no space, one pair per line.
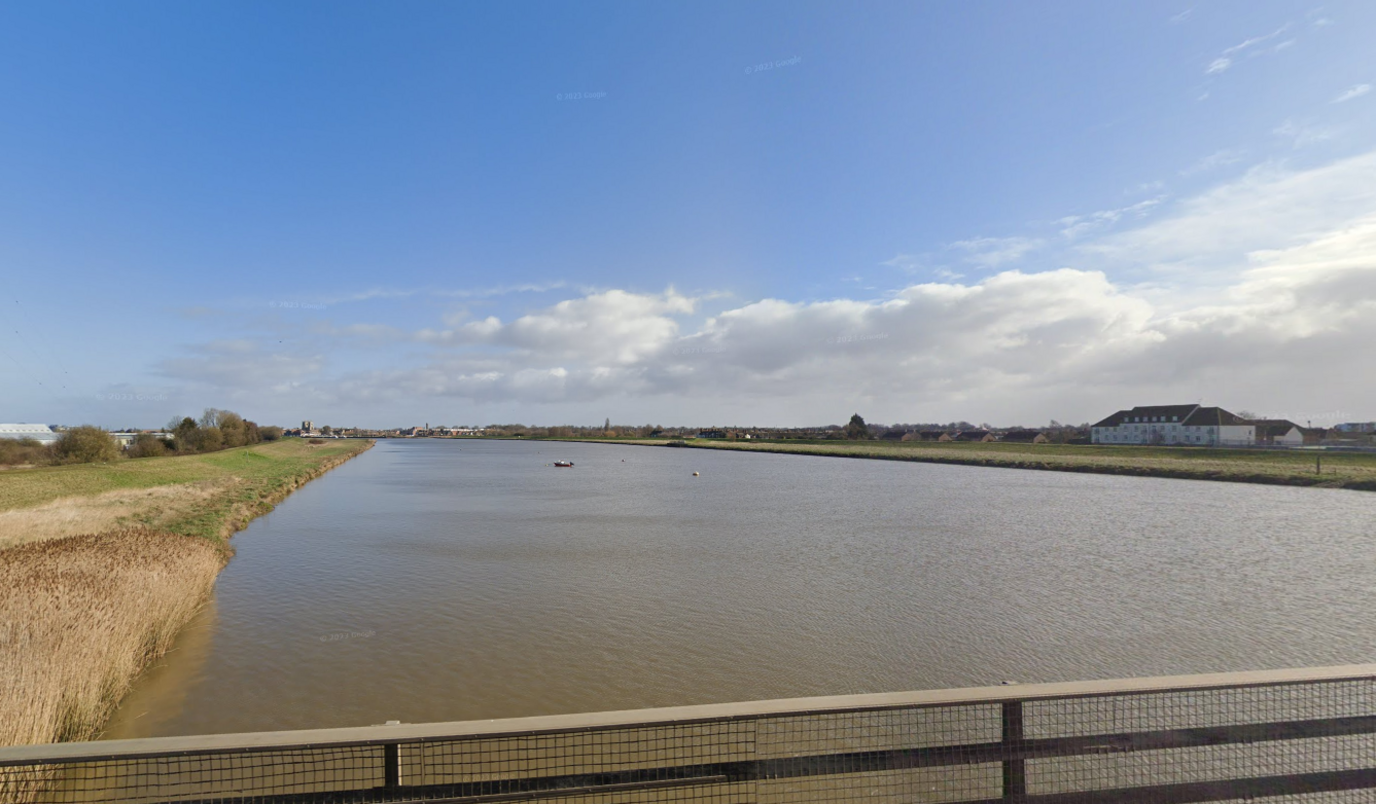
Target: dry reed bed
81,616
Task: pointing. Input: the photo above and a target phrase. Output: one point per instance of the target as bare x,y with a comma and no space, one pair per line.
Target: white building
127,438
1175,425
41,433
1279,432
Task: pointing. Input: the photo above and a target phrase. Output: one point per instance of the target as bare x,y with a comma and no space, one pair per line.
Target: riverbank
1345,470
101,565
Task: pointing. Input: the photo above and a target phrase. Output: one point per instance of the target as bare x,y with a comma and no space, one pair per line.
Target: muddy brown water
439,580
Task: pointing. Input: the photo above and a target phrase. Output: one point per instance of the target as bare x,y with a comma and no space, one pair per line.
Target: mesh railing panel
579,753
197,776
697,794
1225,706
935,785
1202,764
1313,742
1188,727
881,730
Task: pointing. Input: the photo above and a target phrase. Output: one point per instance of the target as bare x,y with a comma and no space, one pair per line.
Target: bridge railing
1307,734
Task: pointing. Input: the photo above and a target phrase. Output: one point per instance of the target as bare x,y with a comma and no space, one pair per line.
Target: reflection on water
443,580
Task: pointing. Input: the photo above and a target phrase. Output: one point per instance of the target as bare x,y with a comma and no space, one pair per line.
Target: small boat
563,464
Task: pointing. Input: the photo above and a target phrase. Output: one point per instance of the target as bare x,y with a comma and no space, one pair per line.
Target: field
1350,470
101,565
210,495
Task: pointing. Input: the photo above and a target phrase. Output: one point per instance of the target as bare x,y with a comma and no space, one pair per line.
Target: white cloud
1290,319
1182,16
1256,40
923,264
1218,65
240,368
1074,226
991,252
1302,135
369,295
901,261
1217,159
613,327
1206,239
1013,346
907,262
1226,59
1353,92
360,334
502,290
930,336
462,293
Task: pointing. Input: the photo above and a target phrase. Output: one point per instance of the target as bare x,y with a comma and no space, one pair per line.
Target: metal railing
1306,734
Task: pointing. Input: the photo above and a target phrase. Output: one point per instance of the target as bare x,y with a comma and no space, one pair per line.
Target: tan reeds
81,616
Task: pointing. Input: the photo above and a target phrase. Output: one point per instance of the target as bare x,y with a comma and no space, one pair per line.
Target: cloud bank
1259,293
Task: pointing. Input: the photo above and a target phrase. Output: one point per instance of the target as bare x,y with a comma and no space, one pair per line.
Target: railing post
391,765
1014,767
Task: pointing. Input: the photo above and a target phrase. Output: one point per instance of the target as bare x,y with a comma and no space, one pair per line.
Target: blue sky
770,213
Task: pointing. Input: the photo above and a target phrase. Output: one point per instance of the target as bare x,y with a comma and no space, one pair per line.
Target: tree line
214,430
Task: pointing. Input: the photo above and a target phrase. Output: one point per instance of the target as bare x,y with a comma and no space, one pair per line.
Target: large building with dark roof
1175,425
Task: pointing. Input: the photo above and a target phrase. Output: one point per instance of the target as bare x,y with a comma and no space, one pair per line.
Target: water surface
438,580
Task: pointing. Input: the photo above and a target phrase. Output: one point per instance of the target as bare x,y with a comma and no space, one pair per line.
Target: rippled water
444,580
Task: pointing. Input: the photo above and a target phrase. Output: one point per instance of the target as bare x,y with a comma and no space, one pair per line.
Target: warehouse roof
38,432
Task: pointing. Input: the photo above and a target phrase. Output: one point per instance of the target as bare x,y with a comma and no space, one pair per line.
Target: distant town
1159,425
1187,425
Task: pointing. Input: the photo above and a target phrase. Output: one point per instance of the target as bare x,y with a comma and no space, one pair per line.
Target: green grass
249,480
1352,470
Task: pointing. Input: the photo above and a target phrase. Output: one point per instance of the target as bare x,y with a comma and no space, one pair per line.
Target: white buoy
695,474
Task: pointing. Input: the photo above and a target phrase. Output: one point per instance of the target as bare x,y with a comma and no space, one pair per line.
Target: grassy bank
1349,470
210,495
101,565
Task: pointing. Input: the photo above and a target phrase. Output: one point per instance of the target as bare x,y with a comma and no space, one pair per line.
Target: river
435,580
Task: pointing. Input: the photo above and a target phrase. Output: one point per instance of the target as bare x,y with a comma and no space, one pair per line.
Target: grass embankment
1349,470
101,565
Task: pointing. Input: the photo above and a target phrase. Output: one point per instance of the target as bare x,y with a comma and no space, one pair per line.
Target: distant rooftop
38,432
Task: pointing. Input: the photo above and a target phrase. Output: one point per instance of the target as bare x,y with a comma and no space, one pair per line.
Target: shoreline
83,615
1354,472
